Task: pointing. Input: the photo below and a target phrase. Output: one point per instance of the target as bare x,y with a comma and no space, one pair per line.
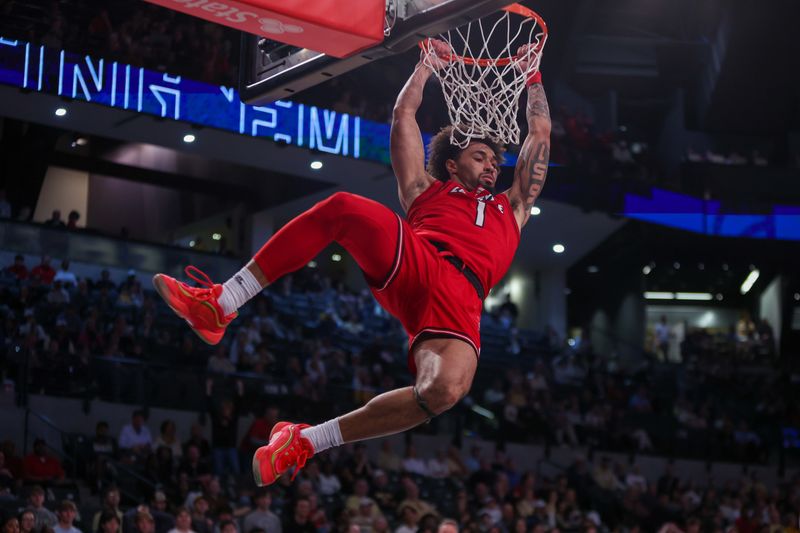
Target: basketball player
431,270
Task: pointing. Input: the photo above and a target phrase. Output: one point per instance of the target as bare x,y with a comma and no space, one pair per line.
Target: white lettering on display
238,16
117,85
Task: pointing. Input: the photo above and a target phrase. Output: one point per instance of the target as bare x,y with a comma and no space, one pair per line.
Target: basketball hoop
483,75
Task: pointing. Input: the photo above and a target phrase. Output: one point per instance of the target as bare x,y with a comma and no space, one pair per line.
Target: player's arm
531,170
407,150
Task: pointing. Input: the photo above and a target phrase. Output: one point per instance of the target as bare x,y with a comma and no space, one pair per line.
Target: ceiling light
719,297
694,296
216,236
592,269
535,211
725,267
676,265
749,281
797,296
60,112
336,258
81,141
655,295
189,138
316,165
312,264
191,244
558,248
646,270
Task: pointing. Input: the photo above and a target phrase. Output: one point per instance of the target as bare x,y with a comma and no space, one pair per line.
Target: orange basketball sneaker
198,306
286,448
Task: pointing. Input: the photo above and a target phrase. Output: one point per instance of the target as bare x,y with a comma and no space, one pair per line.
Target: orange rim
516,9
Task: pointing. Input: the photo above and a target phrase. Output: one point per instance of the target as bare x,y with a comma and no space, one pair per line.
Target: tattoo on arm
537,103
532,171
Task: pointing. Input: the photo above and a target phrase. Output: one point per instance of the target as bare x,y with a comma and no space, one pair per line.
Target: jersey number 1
480,217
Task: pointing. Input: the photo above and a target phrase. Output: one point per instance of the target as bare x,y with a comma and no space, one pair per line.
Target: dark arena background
639,364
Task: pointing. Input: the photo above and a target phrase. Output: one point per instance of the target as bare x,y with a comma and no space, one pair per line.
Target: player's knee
342,202
443,392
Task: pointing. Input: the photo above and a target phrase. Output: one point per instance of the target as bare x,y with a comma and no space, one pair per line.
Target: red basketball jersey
476,226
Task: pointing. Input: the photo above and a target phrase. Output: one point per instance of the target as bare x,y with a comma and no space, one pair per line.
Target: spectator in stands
183,521
508,312
111,499
58,295
219,362
387,458
329,483
604,476
227,526
194,466
368,513
55,220
196,437
135,438
27,522
299,520
43,272
634,478
11,525
44,517
201,521
169,439
438,466
144,522
105,281
448,525
412,498
259,429
262,517
65,276
109,523
413,464
409,518
72,219
13,462
224,430
662,334
66,518
18,268
41,466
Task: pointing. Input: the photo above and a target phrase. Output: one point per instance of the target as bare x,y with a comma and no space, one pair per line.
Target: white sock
324,436
237,290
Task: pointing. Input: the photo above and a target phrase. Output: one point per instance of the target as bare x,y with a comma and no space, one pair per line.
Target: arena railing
85,246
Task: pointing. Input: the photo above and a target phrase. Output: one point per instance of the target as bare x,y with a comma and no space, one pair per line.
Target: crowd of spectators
350,490
136,33
733,157
318,349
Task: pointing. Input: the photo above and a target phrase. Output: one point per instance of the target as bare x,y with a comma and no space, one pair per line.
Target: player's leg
368,230
445,368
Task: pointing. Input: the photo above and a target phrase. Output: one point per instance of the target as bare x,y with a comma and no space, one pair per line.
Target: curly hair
441,149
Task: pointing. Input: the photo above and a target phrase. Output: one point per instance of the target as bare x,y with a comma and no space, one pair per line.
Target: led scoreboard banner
118,85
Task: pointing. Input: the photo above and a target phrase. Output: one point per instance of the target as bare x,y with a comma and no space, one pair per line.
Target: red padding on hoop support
322,25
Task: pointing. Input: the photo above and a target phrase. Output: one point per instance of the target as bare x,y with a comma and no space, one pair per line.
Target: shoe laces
303,455
202,280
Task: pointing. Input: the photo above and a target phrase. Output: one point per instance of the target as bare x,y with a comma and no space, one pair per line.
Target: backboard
270,69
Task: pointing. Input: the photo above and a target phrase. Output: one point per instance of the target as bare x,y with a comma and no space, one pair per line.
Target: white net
482,79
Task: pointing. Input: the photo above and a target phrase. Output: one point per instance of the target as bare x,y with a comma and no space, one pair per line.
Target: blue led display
705,216
122,86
